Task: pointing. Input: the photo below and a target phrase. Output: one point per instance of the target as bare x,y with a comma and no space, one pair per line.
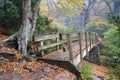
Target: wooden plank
82,36
77,59
57,47
51,45
74,35
86,41
75,39
70,47
42,44
48,37
80,44
92,37
90,40
63,36
96,38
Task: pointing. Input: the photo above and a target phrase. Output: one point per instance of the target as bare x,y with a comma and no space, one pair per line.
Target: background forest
55,16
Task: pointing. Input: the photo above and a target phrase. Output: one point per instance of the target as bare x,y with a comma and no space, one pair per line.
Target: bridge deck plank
64,56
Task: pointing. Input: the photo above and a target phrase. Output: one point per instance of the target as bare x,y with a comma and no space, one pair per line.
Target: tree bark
28,24
23,35
35,12
26,31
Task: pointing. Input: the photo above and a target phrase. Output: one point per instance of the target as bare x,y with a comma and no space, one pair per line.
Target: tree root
8,39
7,52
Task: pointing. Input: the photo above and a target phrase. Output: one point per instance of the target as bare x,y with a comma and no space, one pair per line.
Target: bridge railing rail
85,39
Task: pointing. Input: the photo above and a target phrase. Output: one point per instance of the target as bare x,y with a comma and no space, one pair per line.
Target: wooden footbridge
70,48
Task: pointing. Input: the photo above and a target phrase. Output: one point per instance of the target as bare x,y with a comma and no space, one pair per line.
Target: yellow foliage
78,2
97,20
58,25
67,5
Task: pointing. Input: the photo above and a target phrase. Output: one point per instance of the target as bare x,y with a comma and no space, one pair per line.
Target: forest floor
12,69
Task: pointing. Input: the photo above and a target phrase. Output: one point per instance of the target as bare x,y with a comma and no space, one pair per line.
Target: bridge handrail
68,40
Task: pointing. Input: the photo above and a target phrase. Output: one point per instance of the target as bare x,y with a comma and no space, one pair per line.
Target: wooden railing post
34,43
96,38
86,41
42,44
90,40
61,38
70,47
57,40
80,44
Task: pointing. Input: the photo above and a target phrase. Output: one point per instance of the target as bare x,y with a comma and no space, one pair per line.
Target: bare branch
107,3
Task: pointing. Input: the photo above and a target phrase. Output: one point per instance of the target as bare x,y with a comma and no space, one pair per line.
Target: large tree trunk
24,32
28,24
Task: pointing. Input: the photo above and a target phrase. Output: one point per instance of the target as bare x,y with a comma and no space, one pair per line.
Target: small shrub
86,72
10,16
